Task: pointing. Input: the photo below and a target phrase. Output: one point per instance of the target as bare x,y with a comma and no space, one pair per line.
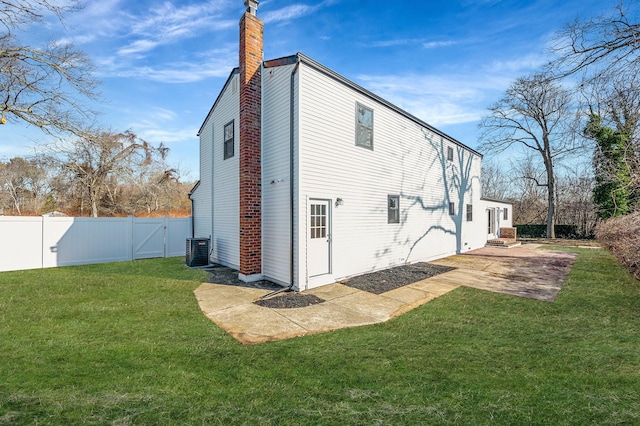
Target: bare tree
496,181
575,199
99,158
24,183
43,86
605,42
535,114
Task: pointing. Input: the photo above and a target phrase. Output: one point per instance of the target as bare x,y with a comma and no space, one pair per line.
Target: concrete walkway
232,307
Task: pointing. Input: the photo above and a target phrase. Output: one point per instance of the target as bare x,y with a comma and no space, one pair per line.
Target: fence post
132,238
42,241
165,232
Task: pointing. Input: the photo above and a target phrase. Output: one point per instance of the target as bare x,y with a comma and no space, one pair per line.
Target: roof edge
496,201
234,71
318,66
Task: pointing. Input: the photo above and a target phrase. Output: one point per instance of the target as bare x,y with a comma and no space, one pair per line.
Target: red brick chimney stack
251,45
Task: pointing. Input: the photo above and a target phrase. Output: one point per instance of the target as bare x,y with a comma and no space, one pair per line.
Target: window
452,208
449,153
505,214
393,209
469,213
364,126
228,140
318,221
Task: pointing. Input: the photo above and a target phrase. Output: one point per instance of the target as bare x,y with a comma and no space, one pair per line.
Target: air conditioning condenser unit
197,252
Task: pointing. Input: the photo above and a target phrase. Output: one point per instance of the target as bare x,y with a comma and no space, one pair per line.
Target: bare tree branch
606,42
44,87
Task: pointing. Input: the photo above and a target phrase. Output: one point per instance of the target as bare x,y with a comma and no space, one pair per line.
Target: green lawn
125,343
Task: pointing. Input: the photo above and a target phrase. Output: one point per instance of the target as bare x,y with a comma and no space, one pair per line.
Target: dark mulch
375,282
389,279
224,275
290,300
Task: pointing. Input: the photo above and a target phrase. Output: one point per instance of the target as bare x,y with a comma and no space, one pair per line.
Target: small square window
393,209
364,126
449,153
505,214
228,140
452,208
469,213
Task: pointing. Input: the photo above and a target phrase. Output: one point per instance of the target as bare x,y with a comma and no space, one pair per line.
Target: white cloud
434,44
212,63
138,46
288,13
294,11
445,98
410,41
188,73
523,65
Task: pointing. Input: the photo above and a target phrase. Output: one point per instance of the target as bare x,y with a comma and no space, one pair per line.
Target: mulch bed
289,300
389,279
224,275
375,282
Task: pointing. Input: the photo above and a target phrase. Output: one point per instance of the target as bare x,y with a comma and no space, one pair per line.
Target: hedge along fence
540,231
621,236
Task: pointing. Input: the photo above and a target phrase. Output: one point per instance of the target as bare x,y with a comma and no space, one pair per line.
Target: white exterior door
491,218
319,238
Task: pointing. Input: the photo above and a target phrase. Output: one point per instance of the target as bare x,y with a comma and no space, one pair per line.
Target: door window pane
318,221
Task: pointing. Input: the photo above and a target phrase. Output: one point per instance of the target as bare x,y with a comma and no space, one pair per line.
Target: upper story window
452,208
469,213
364,126
449,153
228,140
393,209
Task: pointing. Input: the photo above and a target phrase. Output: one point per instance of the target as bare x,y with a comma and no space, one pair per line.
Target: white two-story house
306,178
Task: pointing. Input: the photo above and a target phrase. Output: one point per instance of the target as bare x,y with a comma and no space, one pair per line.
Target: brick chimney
251,34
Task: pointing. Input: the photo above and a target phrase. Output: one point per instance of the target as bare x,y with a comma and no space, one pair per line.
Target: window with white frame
469,213
364,126
449,153
228,140
505,214
393,209
452,208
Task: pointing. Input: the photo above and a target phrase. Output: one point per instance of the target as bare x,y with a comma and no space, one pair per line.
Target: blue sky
163,63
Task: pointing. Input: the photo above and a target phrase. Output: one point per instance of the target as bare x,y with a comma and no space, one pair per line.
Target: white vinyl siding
408,160
202,195
224,189
276,228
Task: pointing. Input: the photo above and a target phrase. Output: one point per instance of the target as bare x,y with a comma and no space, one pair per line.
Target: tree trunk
93,199
551,200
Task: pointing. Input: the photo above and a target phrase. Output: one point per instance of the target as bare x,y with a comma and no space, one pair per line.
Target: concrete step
502,242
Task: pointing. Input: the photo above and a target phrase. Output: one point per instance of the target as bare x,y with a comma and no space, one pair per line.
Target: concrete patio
524,271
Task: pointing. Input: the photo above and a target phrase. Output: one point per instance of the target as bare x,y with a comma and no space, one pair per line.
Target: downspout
291,181
291,159
193,220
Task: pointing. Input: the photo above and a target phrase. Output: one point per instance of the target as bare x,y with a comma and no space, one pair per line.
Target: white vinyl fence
44,242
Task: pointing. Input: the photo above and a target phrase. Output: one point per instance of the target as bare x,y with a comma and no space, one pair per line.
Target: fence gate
44,242
148,238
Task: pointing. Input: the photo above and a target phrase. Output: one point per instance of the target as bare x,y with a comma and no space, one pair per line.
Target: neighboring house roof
234,71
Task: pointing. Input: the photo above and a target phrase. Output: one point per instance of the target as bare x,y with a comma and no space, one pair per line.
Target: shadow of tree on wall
455,181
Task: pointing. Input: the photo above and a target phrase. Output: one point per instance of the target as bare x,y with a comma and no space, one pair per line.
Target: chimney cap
251,5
